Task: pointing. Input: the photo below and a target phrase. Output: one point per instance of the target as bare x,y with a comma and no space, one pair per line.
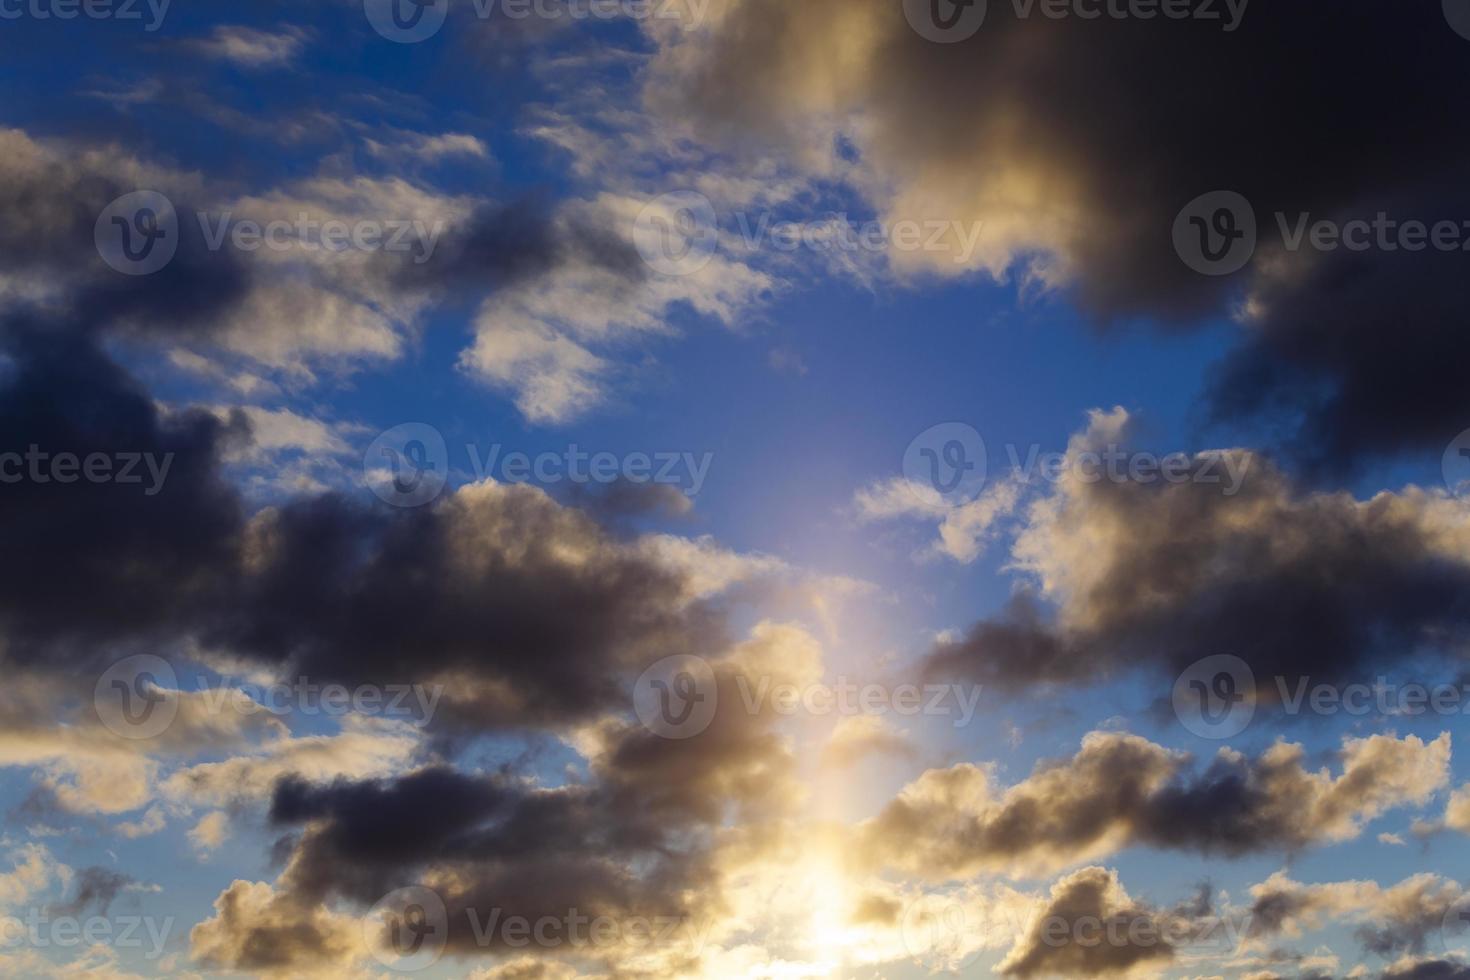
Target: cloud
1457,810
152,822
527,968
288,453
1410,968
84,768
1076,167
1122,790
857,737
429,148
1297,583
256,930
33,870
96,889
367,749
277,429
638,837
252,48
288,300
1397,919
964,528
787,360
495,566
1087,896
111,562
540,343
210,832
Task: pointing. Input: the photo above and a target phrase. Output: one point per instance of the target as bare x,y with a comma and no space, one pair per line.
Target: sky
874,489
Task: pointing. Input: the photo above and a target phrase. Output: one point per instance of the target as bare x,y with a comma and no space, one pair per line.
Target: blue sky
576,198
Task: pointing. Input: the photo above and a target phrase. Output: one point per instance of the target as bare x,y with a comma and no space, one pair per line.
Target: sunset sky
552,489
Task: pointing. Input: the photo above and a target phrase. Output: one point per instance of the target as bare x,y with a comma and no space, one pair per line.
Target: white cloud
964,528
252,48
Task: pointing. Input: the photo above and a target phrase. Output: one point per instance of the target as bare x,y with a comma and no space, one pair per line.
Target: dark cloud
635,839
1016,648
107,562
1428,970
1122,790
1102,932
258,931
52,198
1078,140
1295,583
474,593
96,889
1401,919
623,501
1405,930
1357,353
530,610
645,795
500,244
1274,908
